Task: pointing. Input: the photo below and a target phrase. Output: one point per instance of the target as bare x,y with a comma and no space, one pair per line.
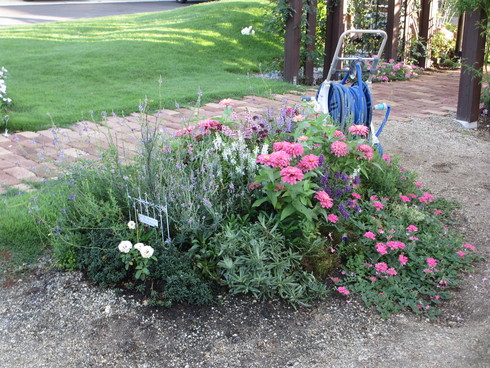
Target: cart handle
336,58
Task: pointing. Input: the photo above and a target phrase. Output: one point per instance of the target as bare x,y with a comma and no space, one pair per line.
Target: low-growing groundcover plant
285,206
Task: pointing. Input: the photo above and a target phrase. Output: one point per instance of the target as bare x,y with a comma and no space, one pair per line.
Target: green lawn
60,71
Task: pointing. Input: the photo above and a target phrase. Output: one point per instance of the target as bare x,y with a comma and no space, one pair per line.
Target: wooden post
472,62
423,32
459,36
392,29
292,42
335,28
310,42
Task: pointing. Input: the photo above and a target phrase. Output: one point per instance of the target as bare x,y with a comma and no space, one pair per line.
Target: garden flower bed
282,206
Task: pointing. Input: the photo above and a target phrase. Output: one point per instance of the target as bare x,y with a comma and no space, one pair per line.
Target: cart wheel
181,1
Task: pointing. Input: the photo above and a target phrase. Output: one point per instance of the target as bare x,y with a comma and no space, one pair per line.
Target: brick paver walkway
32,156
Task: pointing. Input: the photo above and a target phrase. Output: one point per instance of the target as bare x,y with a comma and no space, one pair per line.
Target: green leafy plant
256,258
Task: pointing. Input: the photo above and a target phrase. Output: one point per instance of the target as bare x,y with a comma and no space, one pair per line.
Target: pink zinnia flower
412,228
279,146
324,198
431,262
373,279
338,133
404,198
402,259
263,159
298,117
226,102
381,248
183,132
294,149
437,212
469,246
370,235
278,187
332,218
461,253
279,159
309,162
381,267
418,184
378,205
291,175
209,125
387,158
357,129
339,148
356,195
413,238
366,150
303,138
343,290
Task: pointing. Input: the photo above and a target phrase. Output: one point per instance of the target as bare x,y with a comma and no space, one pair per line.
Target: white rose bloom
125,246
132,225
139,246
146,251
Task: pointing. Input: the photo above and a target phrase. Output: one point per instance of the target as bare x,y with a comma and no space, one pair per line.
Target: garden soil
54,319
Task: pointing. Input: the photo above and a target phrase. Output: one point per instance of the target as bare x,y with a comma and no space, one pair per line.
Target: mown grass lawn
60,71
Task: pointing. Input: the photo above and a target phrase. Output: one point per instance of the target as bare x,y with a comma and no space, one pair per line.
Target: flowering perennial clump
276,206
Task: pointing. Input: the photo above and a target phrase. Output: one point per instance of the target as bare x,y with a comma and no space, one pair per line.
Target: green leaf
302,208
289,210
259,201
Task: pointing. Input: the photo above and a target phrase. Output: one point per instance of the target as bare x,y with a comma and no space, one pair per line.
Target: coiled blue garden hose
353,105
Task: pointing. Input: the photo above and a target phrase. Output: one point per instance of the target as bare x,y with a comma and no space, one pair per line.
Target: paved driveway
19,12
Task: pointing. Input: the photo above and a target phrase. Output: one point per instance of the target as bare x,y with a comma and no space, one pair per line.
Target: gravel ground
54,319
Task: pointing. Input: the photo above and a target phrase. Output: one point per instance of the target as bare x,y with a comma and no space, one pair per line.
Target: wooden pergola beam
335,28
310,41
424,19
292,42
472,65
392,29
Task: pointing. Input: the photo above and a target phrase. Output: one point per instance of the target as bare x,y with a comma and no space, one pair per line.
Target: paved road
18,12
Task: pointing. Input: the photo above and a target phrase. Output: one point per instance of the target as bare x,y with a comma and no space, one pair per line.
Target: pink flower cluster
412,228
309,162
293,149
275,159
382,267
426,198
357,129
339,148
366,150
382,248
209,125
343,290
291,175
324,198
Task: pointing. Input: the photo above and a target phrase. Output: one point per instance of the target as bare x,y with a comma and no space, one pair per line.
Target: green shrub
256,258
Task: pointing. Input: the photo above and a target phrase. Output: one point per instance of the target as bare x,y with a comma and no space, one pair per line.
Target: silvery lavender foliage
202,179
